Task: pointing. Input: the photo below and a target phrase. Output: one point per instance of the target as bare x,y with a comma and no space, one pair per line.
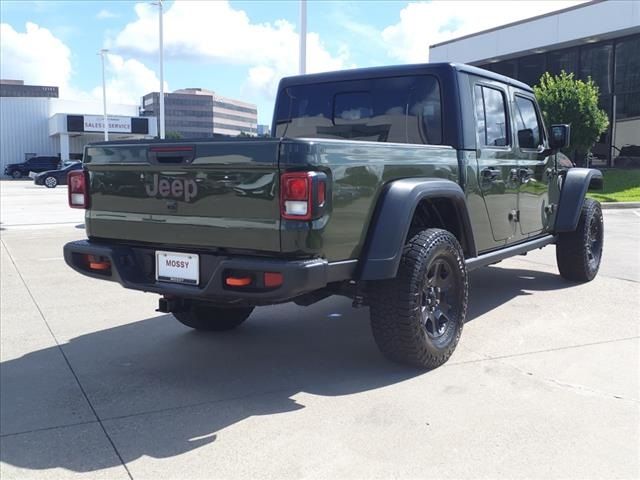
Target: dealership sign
95,123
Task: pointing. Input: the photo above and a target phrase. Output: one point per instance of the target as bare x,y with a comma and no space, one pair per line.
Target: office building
197,112
17,88
598,39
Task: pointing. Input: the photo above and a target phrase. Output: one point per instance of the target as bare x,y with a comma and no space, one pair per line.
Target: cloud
216,32
105,14
127,80
423,24
38,57
35,56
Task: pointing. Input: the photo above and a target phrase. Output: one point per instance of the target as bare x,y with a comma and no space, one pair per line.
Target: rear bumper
134,268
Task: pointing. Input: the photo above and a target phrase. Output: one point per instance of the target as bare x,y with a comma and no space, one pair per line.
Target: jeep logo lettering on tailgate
177,188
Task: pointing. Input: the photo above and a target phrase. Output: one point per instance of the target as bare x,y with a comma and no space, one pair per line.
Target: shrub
564,99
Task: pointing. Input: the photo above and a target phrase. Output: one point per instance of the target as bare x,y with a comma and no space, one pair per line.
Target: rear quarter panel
357,172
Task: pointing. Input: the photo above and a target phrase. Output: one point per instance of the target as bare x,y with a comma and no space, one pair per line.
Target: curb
619,205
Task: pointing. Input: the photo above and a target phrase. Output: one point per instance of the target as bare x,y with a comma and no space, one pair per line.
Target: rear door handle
490,173
525,174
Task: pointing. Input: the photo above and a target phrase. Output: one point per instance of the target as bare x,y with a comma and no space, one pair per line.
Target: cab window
491,113
527,123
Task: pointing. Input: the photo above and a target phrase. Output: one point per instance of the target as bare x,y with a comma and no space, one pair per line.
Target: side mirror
559,136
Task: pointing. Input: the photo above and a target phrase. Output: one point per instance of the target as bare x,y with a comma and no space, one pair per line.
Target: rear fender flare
392,218
574,189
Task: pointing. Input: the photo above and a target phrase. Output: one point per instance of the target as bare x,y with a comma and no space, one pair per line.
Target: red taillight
296,188
302,194
296,198
78,189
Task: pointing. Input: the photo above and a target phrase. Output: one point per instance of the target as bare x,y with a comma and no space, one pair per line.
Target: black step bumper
134,268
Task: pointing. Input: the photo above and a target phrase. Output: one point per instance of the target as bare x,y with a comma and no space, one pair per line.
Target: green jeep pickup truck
386,185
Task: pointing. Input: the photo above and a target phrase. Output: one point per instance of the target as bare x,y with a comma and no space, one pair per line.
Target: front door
534,167
497,163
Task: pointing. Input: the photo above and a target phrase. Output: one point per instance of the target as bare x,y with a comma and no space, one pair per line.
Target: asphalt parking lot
95,383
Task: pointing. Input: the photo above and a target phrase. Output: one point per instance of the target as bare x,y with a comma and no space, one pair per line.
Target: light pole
160,11
303,37
102,53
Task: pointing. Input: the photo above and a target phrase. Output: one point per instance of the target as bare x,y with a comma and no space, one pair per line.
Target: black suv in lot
34,164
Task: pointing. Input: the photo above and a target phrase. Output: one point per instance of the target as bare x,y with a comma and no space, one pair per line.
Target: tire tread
570,248
395,304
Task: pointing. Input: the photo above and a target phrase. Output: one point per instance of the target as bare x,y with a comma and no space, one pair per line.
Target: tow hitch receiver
170,305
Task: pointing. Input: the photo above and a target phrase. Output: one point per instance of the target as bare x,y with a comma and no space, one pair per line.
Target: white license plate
32,175
177,267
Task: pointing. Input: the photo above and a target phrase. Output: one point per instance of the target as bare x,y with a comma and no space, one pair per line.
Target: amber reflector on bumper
238,281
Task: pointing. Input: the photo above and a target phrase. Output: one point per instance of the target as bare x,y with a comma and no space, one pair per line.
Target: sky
239,49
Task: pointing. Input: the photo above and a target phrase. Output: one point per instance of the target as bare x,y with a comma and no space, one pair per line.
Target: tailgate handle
172,154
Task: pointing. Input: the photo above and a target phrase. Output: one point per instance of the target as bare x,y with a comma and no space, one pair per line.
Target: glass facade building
198,113
597,39
614,65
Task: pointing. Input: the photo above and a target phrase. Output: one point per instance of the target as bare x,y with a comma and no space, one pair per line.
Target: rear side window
527,122
492,126
397,109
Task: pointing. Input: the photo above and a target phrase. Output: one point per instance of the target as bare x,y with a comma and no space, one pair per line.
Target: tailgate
216,194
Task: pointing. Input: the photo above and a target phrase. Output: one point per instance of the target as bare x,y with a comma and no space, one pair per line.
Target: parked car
53,178
629,156
34,164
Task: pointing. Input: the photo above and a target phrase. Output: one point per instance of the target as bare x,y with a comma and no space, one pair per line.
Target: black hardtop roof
397,70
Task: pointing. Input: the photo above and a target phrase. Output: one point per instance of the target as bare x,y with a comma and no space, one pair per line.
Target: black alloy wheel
438,298
579,253
417,317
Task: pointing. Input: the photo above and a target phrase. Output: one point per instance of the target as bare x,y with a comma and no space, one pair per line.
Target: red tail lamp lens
296,188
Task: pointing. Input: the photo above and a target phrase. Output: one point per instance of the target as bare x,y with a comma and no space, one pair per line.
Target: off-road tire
579,253
212,318
397,306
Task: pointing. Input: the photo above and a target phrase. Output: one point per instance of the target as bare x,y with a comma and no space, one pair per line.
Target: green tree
173,135
564,99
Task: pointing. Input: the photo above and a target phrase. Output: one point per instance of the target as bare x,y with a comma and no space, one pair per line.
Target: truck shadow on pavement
494,286
162,390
